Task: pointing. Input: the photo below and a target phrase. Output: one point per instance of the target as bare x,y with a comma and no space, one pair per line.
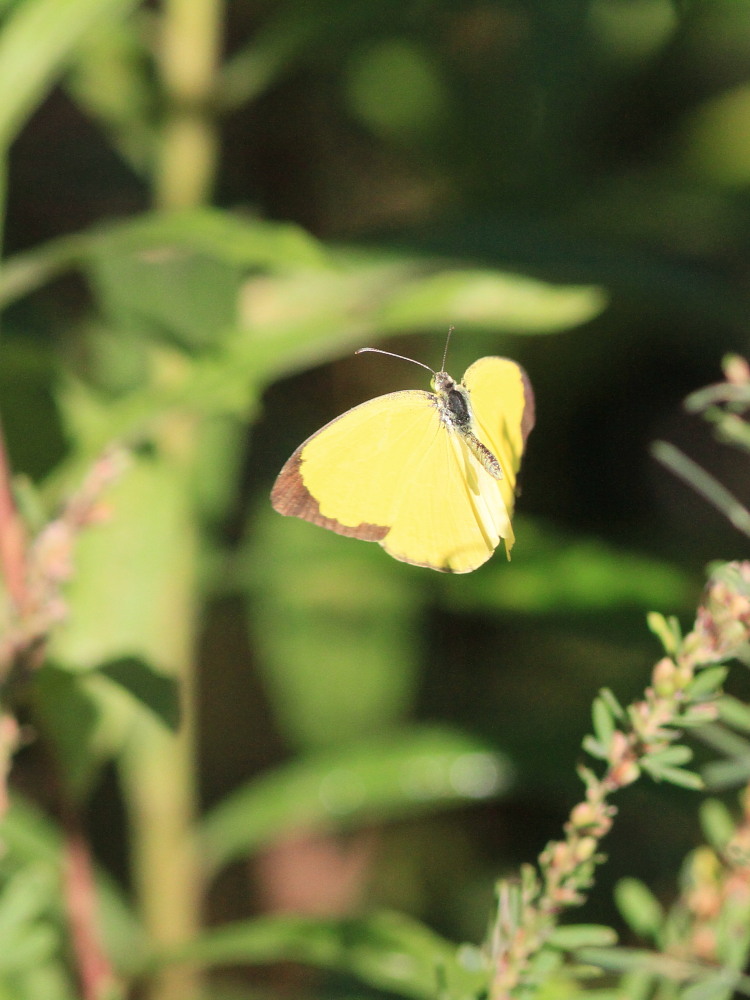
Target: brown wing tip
529,411
292,498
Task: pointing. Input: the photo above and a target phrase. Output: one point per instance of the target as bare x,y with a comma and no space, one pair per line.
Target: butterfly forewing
351,475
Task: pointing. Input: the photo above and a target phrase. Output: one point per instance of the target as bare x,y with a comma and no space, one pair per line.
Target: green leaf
554,572
387,950
149,537
717,823
32,842
717,985
574,936
36,945
25,898
332,671
604,725
180,296
312,315
609,698
639,908
278,42
401,774
726,741
155,691
221,236
111,82
491,299
636,960
674,970
73,708
676,755
635,985
50,979
734,713
667,630
673,775
30,836
706,682
70,717
37,40
726,773
594,747
695,718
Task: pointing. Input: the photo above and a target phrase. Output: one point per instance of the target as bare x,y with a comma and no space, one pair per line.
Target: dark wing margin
529,410
291,497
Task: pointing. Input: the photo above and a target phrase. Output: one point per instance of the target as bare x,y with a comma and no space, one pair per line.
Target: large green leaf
339,660
148,536
387,950
221,236
78,711
309,303
37,40
400,773
112,82
555,572
312,315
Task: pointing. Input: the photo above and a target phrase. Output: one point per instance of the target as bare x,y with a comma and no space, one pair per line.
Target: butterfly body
453,402
430,476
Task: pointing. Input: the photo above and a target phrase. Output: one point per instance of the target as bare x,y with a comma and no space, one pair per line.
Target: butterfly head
443,382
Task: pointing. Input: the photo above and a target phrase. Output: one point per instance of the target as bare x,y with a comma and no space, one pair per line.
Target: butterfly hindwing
452,514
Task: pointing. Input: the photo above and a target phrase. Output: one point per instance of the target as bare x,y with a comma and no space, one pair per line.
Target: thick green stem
160,795
159,767
189,56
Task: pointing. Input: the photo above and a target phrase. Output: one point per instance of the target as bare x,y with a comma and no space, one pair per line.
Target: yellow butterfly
430,476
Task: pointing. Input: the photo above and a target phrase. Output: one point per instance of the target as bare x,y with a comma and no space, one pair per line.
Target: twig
703,483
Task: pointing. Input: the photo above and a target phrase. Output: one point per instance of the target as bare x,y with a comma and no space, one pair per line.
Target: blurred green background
566,183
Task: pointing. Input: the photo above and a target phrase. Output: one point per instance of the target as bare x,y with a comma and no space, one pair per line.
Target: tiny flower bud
625,773
584,849
619,746
663,677
584,815
736,369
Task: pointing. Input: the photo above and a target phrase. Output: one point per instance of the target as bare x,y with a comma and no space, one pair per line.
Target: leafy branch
644,737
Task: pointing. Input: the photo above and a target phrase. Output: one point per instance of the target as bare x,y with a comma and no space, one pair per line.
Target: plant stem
12,536
94,970
158,766
188,59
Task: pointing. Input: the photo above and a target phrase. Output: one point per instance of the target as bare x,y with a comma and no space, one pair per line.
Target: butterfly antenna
447,341
376,350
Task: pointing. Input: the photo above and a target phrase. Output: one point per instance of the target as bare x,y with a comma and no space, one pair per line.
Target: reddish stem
94,970
12,535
